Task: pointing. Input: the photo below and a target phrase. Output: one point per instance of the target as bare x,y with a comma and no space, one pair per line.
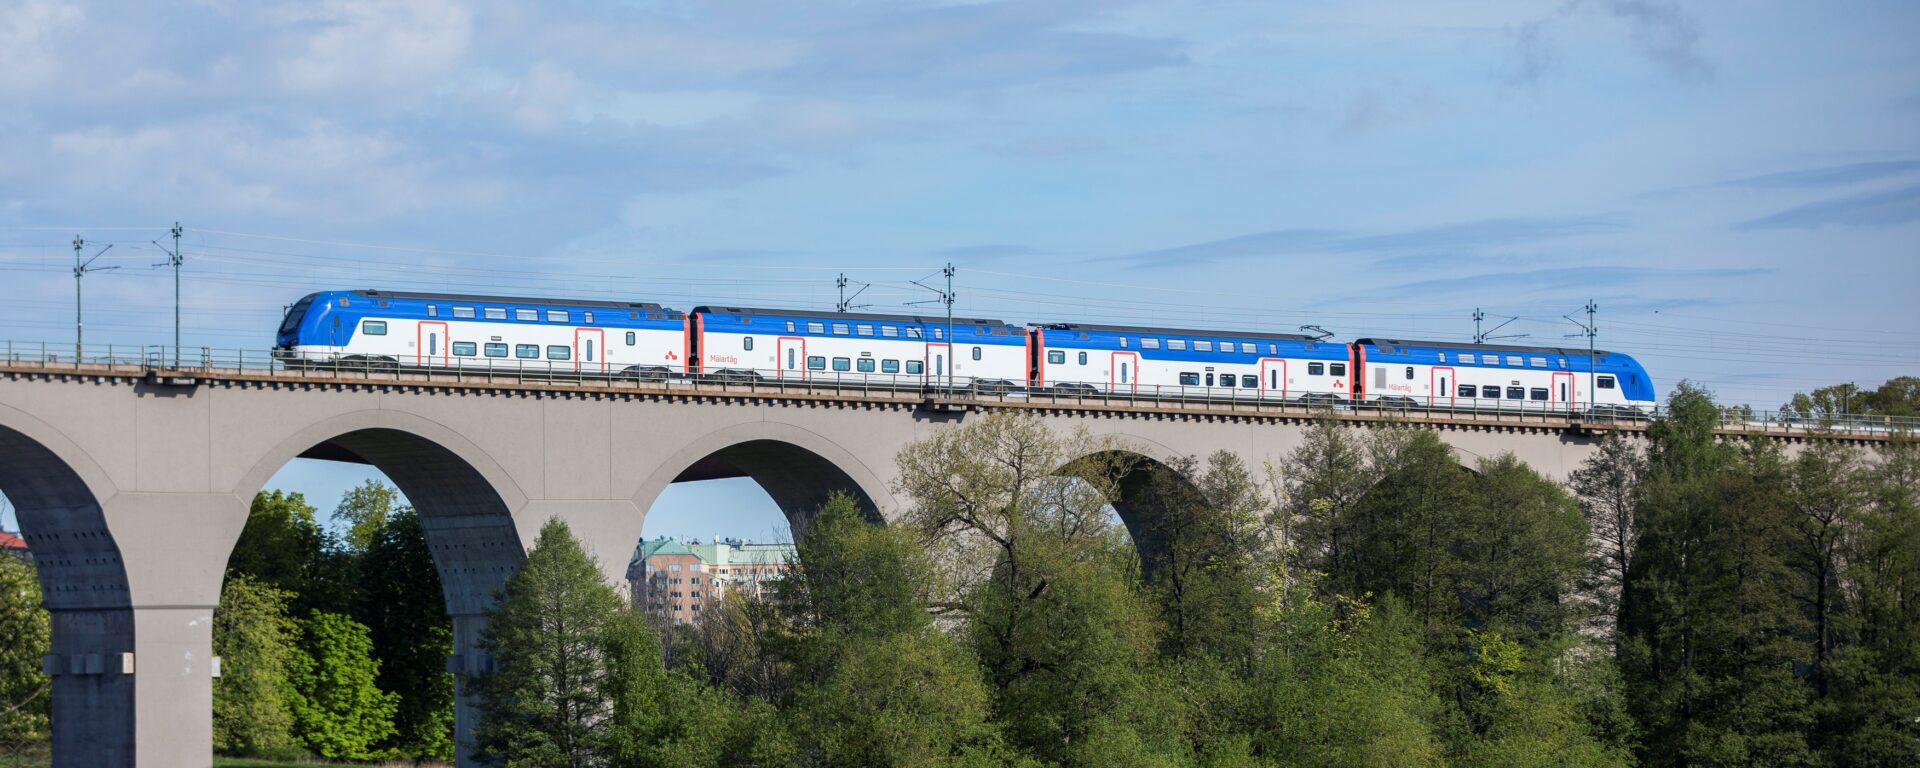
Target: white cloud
28,29
375,43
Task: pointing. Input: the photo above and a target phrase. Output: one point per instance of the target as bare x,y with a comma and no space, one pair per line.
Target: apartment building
680,580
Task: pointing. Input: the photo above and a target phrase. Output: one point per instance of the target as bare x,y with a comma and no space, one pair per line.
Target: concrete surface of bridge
133,484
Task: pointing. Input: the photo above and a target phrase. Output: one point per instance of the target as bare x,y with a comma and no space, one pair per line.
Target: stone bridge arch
798,467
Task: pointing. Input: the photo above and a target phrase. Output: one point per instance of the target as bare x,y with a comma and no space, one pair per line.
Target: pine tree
549,700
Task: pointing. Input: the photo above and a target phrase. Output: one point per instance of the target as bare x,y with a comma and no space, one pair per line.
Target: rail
156,360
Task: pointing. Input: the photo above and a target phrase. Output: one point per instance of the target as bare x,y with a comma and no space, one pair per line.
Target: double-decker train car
431,330
1137,361
850,347
1442,374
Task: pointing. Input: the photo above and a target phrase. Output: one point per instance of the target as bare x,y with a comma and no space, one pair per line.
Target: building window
373,327
494,313
695,580
746,343
1337,369
1056,357
865,365
816,363
843,364
1469,390
1606,382
915,367
527,315
1083,358
496,349
1189,379
559,352
465,348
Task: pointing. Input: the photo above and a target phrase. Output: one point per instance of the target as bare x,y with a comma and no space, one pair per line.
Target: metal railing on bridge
216,362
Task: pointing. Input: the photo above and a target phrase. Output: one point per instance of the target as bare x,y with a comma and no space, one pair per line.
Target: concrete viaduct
132,485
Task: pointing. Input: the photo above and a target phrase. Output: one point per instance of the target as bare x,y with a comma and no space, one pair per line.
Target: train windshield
292,320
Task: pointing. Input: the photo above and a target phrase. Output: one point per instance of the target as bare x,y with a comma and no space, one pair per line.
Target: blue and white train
593,338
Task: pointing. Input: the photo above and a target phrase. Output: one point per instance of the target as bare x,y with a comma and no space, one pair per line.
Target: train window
1563,362
843,364
976,353
865,365
889,366
586,317
1409,373
913,332
1538,393
890,331
1147,343
1189,379
915,367
939,333
1337,369
459,311
1516,393
816,327
373,327
530,315
1083,358
559,352
1001,330
816,363
840,329
1316,369
1176,343
1605,382
465,348
790,326
495,349
433,310
1203,345
343,301
746,343
1249,348
630,338
1513,360
1491,392
556,316
863,329
1489,359
1249,381
1056,357
1272,348
1123,342
495,313
1229,379
1537,362
1469,390
526,351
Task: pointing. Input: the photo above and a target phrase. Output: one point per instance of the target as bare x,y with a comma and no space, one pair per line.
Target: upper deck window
839,329
495,313
1176,343
433,310
1537,362
527,315
586,317
1148,342
1489,359
1123,342
789,326
816,327
939,333
1514,360
890,331
913,332
1249,348
459,311
1226,346
556,316
1202,345
863,329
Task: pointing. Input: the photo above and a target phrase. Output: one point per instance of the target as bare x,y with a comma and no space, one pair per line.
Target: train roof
646,305
767,312
1147,330
1462,345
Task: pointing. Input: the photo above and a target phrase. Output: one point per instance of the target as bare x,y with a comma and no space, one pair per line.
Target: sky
1736,185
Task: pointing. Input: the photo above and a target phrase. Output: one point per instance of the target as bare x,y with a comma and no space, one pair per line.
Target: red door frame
1113,368
1265,363
1433,387
421,356
1573,392
927,363
596,334
780,352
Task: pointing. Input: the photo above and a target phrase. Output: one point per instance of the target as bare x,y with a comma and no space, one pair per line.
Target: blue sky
1736,184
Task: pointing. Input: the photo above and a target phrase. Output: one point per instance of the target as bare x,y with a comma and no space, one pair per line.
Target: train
644,340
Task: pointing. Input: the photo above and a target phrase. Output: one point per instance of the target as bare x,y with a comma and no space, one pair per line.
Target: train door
590,350
1124,376
1564,393
937,363
792,358
430,344
1443,381
1273,378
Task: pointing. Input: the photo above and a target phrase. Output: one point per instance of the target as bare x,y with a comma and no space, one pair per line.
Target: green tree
364,510
549,699
1607,485
255,641
1711,627
1324,479
283,546
25,624
1402,532
1212,549
1873,676
338,711
400,601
